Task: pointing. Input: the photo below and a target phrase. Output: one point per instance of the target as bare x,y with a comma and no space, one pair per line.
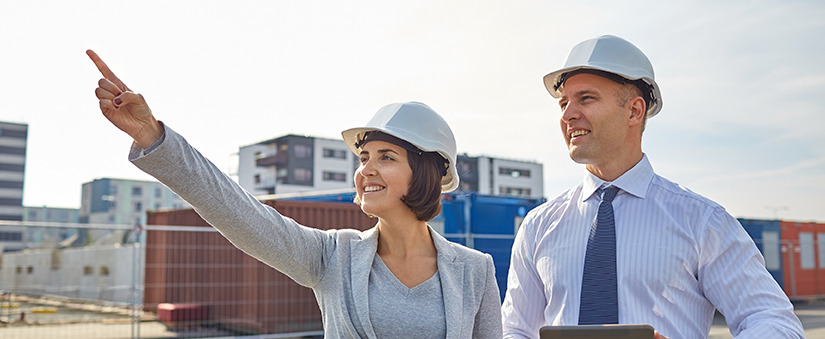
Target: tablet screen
597,331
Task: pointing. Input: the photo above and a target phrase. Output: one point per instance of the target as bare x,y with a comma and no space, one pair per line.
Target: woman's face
383,178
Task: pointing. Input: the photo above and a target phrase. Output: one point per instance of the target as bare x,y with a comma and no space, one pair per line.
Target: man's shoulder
565,197
561,201
662,187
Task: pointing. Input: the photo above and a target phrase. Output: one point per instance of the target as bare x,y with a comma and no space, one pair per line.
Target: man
673,256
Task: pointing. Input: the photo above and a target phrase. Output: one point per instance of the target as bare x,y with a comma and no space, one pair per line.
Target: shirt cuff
157,143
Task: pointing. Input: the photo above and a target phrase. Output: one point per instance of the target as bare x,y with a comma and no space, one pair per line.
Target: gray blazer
335,264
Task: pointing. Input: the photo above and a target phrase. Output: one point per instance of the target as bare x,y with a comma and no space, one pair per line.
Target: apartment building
498,176
124,202
13,139
45,214
294,163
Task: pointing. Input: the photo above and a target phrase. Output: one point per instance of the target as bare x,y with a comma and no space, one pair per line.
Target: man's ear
638,108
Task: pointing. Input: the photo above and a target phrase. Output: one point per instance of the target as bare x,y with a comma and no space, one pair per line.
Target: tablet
597,331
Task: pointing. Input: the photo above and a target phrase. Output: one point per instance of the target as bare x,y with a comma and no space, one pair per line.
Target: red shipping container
241,293
803,259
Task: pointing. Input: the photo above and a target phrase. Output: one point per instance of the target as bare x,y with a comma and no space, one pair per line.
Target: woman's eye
387,157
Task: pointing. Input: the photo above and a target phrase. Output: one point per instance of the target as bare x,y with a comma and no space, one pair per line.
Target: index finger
104,69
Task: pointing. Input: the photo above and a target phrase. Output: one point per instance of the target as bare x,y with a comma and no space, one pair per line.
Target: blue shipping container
487,223
765,233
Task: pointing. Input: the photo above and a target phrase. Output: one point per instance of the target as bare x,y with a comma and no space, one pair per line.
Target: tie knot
608,193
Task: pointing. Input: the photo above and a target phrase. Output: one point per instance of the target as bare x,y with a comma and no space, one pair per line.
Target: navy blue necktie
599,299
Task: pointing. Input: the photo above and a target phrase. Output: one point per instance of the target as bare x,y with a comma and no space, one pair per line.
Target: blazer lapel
451,272
362,254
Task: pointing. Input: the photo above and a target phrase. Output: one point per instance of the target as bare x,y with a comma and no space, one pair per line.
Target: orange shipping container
803,259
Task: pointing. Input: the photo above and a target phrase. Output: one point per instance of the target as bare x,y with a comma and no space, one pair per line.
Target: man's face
593,121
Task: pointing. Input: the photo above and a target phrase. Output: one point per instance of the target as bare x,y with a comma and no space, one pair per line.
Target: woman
398,279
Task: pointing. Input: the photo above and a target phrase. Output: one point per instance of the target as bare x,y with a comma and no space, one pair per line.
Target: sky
742,83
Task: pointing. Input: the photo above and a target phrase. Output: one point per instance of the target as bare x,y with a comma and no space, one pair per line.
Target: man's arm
522,312
733,277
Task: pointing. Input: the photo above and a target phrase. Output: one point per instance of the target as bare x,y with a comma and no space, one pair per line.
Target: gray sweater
335,264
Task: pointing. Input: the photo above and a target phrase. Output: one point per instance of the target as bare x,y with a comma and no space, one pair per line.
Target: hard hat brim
449,182
552,79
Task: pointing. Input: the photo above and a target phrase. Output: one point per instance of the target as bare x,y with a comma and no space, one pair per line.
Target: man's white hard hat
613,55
417,124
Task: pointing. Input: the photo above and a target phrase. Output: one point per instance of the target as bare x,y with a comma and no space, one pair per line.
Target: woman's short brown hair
424,196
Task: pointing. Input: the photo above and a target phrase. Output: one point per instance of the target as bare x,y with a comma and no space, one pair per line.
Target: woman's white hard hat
417,124
610,54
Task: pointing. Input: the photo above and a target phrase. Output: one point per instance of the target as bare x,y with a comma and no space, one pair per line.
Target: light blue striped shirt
679,256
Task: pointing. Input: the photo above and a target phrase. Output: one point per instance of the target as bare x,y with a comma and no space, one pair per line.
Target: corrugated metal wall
241,293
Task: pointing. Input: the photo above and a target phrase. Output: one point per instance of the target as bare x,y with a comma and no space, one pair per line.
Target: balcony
268,160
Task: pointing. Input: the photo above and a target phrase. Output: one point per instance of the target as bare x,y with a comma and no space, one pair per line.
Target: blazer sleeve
488,318
255,228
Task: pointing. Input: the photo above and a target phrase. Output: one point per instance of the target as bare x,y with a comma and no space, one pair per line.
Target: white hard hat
417,124
614,55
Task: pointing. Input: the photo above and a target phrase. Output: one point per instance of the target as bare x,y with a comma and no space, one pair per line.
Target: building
124,202
294,163
13,138
497,176
51,214
42,235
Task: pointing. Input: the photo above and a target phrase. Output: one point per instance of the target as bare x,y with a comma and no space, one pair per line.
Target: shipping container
487,223
201,268
803,259
766,235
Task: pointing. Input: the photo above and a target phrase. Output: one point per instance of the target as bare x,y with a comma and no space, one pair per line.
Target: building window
88,270
11,236
158,192
29,269
303,152
19,270
820,246
335,153
515,191
302,175
806,247
137,191
335,176
104,271
138,207
514,172
770,250
257,178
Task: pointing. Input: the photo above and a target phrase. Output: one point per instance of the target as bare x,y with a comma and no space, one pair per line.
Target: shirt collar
635,181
